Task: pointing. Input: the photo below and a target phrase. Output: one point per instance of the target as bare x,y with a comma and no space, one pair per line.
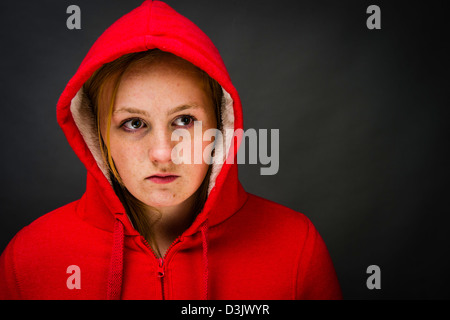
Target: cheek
202,144
199,170
127,157
194,176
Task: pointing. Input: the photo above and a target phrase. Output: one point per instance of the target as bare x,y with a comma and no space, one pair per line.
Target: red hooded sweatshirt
240,246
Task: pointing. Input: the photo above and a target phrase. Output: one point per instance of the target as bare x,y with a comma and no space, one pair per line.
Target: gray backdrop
363,125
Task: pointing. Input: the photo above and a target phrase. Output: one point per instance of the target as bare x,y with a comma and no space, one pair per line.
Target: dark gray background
363,125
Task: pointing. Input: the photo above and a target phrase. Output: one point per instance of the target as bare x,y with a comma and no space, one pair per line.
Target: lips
162,178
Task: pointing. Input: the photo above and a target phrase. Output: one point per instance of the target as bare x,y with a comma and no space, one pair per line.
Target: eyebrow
182,107
145,113
131,110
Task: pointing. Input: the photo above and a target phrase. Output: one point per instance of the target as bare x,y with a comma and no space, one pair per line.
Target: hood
152,25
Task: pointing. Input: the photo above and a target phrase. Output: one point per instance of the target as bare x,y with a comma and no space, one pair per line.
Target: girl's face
151,102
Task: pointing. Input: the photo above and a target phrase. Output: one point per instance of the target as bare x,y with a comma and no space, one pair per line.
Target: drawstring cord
114,288
204,230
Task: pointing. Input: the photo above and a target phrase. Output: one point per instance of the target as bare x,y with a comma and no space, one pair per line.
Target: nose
160,150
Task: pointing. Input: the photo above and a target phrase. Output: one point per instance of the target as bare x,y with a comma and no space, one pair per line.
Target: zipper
161,270
161,276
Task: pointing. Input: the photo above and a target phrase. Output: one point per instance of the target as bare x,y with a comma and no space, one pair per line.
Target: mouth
162,178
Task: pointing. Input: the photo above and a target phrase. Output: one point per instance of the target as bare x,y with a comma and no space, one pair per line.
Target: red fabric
239,247
116,268
204,230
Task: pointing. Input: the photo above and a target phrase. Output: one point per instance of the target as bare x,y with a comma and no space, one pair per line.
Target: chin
163,199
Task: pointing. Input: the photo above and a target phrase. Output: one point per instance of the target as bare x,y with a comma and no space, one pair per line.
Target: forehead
163,65
158,76
168,80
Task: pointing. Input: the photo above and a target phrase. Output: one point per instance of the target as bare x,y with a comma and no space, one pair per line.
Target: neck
171,223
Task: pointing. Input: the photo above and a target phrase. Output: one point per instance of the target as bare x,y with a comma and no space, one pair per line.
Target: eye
184,121
133,124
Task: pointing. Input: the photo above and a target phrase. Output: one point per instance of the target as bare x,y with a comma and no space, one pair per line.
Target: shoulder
275,221
32,250
49,236
273,211
37,259
49,225
292,234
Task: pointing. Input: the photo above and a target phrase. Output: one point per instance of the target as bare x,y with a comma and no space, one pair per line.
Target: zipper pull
161,268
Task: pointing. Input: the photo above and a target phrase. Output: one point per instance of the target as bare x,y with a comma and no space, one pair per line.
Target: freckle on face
157,88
